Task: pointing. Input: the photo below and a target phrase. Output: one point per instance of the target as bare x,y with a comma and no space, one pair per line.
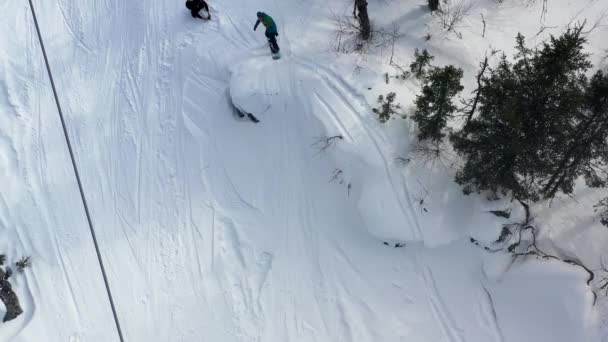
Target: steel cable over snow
77,174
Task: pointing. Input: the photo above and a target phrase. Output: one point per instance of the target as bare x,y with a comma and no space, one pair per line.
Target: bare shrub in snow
602,282
351,37
452,13
520,239
401,74
337,176
346,29
421,198
322,144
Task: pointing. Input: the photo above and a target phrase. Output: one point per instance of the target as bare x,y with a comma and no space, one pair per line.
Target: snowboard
275,54
249,115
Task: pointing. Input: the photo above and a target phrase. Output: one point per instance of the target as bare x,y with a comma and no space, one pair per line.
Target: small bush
421,63
453,13
387,107
23,263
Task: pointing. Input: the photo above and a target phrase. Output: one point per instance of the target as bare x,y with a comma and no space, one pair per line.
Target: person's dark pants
272,40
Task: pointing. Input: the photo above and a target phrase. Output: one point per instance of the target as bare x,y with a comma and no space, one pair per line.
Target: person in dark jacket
271,30
195,6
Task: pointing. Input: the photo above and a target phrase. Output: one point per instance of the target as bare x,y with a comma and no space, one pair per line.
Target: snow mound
248,94
363,163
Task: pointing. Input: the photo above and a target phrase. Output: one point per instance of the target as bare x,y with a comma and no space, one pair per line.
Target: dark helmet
261,14
190,4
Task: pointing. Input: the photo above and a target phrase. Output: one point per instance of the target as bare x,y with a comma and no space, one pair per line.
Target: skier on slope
195,6
271,30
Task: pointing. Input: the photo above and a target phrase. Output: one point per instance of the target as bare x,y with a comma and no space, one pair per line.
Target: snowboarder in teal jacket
271,30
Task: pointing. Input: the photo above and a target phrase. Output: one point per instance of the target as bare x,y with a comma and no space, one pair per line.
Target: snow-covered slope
40,210
213,228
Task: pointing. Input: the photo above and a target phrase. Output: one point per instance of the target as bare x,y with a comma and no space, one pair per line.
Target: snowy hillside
213,228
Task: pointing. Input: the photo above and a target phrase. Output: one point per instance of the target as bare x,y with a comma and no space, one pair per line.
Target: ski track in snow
40,214
440,310
487,313
404,203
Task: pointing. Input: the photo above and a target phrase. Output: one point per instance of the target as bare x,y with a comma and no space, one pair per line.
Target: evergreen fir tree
421,63
585,149
434,106
387,108
531,135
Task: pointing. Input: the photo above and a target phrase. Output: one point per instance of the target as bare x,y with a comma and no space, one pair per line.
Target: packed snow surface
214,228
